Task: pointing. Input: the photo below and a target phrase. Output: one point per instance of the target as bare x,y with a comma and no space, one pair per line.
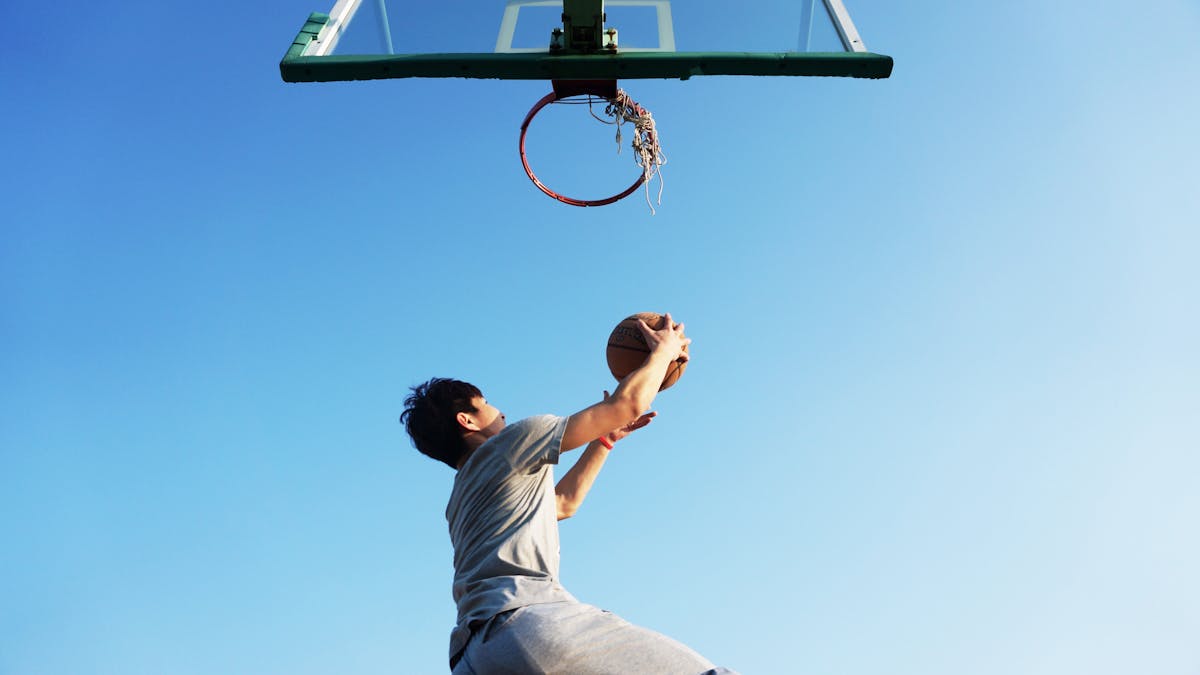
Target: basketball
627,349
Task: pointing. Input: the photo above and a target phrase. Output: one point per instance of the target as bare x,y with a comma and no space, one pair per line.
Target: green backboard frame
585,58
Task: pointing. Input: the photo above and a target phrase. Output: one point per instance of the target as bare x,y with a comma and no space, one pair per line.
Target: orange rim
537,107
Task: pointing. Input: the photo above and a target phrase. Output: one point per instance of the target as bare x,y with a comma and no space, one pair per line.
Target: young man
513,614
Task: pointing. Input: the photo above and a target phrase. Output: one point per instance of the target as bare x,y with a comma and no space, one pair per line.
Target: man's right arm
635,393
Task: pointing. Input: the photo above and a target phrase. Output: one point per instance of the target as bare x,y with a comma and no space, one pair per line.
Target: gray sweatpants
572,638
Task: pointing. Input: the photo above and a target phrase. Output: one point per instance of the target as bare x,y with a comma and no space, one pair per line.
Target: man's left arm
574,486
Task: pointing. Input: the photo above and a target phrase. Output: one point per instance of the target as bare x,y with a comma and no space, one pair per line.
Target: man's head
447,419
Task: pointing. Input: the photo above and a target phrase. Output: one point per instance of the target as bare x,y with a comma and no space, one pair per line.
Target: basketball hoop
623,109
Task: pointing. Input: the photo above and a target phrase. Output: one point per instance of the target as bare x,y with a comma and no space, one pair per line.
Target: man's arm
573,488
635,393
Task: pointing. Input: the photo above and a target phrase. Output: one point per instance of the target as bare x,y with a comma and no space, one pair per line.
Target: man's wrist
603,440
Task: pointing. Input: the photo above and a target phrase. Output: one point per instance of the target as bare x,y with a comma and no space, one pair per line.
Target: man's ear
466,421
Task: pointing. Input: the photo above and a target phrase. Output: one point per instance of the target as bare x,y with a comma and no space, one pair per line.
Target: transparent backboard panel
565,40
378,27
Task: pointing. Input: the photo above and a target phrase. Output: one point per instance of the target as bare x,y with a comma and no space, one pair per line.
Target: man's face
487,416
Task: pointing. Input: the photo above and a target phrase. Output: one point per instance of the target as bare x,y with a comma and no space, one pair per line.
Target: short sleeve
533,442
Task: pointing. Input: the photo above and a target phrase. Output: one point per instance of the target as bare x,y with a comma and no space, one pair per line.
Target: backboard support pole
583,26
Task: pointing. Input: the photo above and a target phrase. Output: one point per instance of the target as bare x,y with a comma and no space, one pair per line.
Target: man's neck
473,441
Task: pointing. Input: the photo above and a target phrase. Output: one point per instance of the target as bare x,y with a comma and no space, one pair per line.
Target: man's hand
634,395
621,432
669,339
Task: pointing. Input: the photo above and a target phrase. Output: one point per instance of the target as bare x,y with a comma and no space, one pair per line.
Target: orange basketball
627,349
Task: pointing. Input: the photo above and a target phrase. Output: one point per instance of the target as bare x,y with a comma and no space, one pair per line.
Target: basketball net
649,155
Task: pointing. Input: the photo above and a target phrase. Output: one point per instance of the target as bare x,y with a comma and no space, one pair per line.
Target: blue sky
940,416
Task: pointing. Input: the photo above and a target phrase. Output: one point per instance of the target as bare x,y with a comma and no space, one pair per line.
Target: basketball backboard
579,39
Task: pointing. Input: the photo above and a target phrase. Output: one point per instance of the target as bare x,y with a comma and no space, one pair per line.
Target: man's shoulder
532,424
532,439
518,445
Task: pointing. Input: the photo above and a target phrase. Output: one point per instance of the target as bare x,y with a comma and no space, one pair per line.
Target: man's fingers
683,355
645,329
640,422
654,337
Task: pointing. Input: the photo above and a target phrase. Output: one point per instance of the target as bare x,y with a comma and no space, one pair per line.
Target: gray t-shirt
504,525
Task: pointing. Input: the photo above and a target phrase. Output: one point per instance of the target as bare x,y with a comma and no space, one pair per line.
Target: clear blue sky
941,417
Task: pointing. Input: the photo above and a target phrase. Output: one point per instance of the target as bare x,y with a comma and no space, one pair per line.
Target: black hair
430,417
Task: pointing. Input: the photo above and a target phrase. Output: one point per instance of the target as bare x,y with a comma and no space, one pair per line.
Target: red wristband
605,442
